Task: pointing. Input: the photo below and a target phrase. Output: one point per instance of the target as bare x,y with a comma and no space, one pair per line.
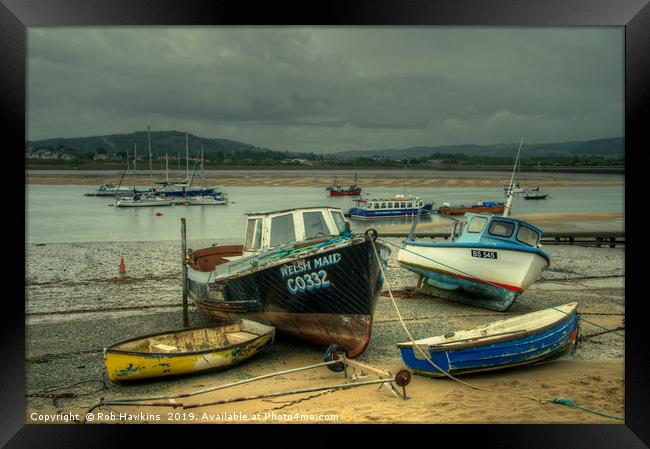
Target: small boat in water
397,206
487,207
111,190
302,272
535,194
206,200
144,200
186,351
337,189
522,340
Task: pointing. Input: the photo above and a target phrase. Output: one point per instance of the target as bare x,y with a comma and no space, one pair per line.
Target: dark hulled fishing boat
323,289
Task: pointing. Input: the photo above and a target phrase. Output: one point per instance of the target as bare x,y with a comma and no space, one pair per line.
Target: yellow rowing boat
186,351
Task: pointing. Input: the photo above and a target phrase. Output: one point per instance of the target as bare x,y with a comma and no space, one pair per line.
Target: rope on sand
566,402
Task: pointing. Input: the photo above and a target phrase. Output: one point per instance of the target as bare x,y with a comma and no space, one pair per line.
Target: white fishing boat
489,263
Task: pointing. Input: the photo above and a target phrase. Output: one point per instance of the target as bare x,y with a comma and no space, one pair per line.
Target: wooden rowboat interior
511,327
194,340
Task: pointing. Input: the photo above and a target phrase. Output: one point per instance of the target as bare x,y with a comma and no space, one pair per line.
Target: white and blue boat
398,206
489,263
522,340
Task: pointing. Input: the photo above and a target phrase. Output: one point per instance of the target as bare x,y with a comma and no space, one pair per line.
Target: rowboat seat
159,347
239,337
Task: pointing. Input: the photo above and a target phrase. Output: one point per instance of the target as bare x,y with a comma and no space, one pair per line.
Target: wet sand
64,362
309,180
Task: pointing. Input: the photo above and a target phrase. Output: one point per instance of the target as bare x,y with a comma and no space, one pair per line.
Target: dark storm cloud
324,89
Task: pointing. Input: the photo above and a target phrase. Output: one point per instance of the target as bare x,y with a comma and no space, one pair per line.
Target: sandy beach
94,309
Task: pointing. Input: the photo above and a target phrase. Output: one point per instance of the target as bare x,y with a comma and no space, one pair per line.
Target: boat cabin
266,230
492,229
390,204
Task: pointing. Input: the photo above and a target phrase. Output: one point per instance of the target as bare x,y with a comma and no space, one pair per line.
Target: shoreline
308,180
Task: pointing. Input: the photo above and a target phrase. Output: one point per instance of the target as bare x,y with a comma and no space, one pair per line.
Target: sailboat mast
135,155
167,168
150,166
506,211
201,167
187,156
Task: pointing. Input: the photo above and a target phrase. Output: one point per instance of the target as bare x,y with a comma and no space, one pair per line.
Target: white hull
204,201
511,269
143,203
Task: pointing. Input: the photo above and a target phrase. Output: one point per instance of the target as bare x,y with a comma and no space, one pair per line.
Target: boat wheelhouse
266,230
399,205
489,263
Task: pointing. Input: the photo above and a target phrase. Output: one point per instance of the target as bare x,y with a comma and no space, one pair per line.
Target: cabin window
383,205
253,234
339,219
501,228
477,224
409,205
527,236
282,230
314,225
376,205
402,205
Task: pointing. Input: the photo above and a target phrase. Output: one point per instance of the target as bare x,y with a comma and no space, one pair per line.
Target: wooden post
184,271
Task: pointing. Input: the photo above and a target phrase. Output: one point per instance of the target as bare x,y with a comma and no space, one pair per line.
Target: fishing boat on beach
302,272
186,351
399,205
522,340
488,260
488,207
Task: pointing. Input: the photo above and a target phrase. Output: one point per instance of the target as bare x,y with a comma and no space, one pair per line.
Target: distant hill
612,147
162,142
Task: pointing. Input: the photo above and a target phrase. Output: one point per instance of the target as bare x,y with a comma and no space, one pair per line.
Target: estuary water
60,213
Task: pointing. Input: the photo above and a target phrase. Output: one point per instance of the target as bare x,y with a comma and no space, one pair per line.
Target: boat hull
525,348
492,283
476,209
125,366
345,192
326,298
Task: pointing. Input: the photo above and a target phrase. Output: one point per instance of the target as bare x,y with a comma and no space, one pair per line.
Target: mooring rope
567,402
522,295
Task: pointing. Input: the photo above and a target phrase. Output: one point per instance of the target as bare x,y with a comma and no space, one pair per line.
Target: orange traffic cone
122,267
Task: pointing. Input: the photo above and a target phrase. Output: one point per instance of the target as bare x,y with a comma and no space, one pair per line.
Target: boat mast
187,157
135,154
202,167
150,166
167,168
506,211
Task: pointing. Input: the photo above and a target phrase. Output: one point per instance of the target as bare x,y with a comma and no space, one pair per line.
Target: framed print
368,213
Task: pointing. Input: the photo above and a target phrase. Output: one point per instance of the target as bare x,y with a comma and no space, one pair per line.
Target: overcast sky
324,89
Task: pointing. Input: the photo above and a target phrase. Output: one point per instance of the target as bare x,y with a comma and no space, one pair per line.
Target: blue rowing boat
522,340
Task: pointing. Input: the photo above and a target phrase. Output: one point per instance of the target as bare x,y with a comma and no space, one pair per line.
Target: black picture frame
16,15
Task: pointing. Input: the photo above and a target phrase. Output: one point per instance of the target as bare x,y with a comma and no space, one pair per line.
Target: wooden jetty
585,238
